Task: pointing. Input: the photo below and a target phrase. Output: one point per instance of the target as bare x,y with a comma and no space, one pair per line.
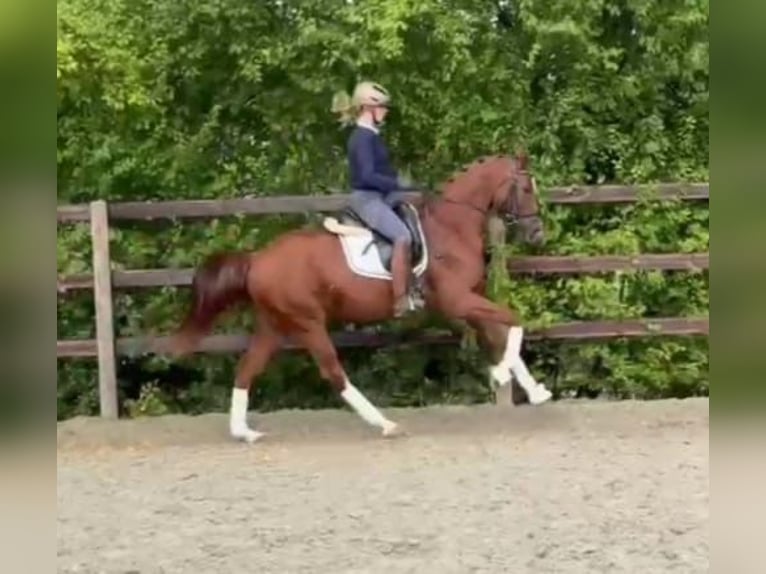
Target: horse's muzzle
532,231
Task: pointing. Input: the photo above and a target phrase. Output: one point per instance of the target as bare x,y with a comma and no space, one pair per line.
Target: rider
376,185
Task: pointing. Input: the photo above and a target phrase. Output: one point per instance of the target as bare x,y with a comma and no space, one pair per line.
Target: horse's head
501,184
513,194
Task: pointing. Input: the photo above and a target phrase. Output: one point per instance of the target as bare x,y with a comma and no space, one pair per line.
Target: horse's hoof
247,435
393,430
539,395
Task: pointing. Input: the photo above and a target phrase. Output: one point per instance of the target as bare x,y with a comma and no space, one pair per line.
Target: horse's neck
456,219
462,211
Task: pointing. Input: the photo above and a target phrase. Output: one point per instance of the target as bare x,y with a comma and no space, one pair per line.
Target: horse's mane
465,168
430,197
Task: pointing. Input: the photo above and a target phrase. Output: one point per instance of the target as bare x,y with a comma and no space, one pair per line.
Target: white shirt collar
363,124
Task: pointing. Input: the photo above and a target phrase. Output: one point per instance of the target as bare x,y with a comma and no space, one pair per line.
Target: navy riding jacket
369,164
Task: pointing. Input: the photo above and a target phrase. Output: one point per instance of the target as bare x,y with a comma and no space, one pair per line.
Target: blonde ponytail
344,107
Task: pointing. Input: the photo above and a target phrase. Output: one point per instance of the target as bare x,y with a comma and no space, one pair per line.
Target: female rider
376,186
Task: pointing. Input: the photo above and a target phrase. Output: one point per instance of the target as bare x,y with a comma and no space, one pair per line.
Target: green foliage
151,401
221,98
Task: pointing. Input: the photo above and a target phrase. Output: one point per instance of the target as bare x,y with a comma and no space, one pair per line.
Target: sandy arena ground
567,487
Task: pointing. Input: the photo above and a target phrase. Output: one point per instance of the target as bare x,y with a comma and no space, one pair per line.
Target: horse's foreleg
317,341
505,347
536,392
475,308
263,345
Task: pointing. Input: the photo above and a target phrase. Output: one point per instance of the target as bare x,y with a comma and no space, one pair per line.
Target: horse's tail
218,283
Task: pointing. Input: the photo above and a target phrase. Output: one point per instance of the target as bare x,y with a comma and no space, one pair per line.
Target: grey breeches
376,210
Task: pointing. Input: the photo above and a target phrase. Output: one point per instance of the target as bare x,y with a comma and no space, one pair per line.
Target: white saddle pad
363,257
361,251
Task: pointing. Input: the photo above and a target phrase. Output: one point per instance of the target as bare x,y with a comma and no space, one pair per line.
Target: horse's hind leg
263,344
317,341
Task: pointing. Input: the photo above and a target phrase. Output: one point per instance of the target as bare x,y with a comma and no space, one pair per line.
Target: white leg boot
513,364
502,371
238,417
536,392
365,409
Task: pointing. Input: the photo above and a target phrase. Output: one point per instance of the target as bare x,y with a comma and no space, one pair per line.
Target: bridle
511,215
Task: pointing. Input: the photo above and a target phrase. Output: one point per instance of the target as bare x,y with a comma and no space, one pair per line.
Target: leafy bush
221,98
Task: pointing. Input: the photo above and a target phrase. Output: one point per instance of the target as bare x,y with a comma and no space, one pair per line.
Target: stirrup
414,301
400,310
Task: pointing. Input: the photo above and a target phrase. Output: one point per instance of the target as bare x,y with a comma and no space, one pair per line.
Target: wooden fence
103,280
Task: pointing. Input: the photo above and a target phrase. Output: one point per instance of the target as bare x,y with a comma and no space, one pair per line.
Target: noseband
512,215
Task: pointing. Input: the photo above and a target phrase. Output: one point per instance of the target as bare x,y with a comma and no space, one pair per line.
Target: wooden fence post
102,297
496,234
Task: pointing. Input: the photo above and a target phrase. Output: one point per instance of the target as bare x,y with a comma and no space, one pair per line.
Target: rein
510,217
465,204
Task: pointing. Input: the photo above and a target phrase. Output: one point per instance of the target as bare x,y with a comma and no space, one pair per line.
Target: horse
341,273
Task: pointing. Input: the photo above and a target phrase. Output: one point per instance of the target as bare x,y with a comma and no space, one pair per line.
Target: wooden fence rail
579,331
532,265
210,208
105,347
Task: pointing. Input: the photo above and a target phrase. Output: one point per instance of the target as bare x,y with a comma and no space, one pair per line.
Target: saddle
409,216
348,224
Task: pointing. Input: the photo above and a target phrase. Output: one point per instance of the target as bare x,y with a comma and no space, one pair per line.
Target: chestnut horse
304,280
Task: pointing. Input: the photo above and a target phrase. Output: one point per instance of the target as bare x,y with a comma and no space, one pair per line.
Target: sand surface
567,487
